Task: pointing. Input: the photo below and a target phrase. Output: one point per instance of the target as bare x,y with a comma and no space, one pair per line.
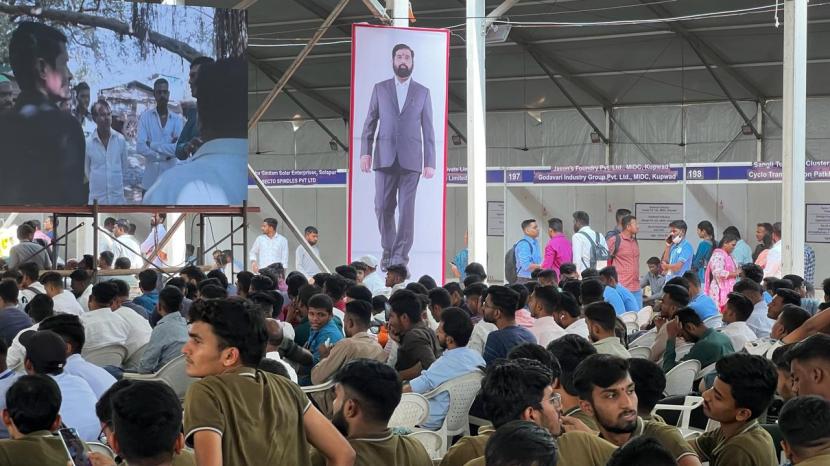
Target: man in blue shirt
323,329
677,257
454,333
12,319
528,254
593,290
608,277
500,309
169,334
703,305
742,254
147,282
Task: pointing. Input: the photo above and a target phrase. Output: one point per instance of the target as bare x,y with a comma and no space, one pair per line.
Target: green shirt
40,448
387,449
668,436
752,446
259,416
708,350
468,448
820,460
575,448
586,418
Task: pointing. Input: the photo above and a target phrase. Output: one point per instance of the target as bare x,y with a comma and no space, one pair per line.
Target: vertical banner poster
398,147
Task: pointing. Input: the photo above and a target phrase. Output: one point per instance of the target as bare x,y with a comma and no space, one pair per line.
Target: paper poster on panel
398,147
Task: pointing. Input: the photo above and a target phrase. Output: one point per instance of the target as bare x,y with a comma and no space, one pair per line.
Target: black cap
45,349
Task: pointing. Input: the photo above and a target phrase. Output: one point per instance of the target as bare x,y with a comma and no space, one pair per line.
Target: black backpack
510,273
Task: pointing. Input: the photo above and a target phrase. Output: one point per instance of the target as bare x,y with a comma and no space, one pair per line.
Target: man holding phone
677,256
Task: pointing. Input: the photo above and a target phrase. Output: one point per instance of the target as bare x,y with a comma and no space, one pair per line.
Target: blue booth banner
300,177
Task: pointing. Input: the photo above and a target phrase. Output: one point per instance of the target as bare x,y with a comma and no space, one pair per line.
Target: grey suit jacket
400,133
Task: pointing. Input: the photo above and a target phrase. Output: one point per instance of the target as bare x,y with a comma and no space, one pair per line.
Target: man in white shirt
130,248
29,286
158,133
139,329
102,326
474,296
270,247
758,322
738,310
157,232
569,318
582,245
81,287
69,328
543,304
302,259
372,279
64,301
106,159
773,267
217,173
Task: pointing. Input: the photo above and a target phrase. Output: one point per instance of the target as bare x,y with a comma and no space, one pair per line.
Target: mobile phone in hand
74,447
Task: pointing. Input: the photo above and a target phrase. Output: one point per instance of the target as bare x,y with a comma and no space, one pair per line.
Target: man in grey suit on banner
403,149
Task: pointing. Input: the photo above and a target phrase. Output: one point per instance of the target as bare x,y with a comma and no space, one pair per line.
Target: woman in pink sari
721,271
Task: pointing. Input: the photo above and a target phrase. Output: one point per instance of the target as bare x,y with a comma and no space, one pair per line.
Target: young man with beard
570,350
543,304
607,392
744,388
709,345
474,297
366,394
500,309
418,344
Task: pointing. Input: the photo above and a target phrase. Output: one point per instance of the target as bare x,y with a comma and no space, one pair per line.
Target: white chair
642,352
680,378
173,374
132,362
706,371
462,391
328,385
682,350
97,447
715,321
629,317
689,404
431,442
632,328
110,355
644,316
647,339
412,411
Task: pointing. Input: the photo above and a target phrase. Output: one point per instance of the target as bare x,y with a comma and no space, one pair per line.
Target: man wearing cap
126,246
46,355
372,279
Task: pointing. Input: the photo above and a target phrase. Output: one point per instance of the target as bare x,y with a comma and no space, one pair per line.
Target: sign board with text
654,218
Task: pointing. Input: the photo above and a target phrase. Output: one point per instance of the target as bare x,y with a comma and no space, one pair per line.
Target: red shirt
626,261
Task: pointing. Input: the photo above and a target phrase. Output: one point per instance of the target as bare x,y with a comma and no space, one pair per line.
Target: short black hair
753,272
148,279
305,293
591,291
590,272
29,270
570,350
792,317
523,294
293,281
405,302
104,292
122,263
52,278
236,323
243,280
273,366
504,298
199,61
567,268
336,287
555,224
527,223
158,82
439,297
741,305
8,290
103,408
813,347
40,307
361,311
379,303
549,297
172,298
218,274
602,314
528,350
777,284
193,272
569,304
609,272
677,293
805,422
376,386
780,357
680,281
401,47
653,260
789,296
688,315
510,386
475,268
476,289
399,270
649,382
642,451
359,293
752,379
69,327
742,286
692,278
520,443
598,370
428,282
453,287
680,225
261,283
147,420
457,324
581,217
627,219
346,271
33,402
31,41
546,273
732,230
209,290
321,301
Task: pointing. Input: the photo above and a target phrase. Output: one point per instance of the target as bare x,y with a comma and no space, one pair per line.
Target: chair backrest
642,352
706,371
462,391
110,355
679,380
135,358
174,373
412,411
647,339
682,350
715,321
631,327
630,316
644,316
430,440
97,447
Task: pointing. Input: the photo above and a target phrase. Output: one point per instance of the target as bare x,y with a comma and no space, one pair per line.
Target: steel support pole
794,137
476,134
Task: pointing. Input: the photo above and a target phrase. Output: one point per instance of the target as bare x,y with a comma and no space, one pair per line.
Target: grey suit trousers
396,187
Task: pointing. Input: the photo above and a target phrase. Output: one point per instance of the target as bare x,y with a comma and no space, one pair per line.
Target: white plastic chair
679,380
431,442
132,362
647,339
462,391
173,374
97,447
689,404
642,352
644,316
630,316
632,328
706,371
715,321
322,387
110,355
682,350
412,411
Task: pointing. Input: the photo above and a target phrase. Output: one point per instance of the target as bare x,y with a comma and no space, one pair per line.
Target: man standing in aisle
528,256
270,247
106,157
303,262
157,233
677,257
585,240
559,249
773,266
158,132
625,257
403,150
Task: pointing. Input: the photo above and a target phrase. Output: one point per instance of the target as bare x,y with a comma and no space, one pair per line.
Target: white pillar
793,144
175,248
476,134
400,13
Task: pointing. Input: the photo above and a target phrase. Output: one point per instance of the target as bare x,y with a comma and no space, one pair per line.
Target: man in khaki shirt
805,426
505,391
743,389
570,350
607,392
602,321
366,394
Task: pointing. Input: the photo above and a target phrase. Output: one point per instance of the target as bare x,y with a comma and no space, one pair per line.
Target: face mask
677,239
